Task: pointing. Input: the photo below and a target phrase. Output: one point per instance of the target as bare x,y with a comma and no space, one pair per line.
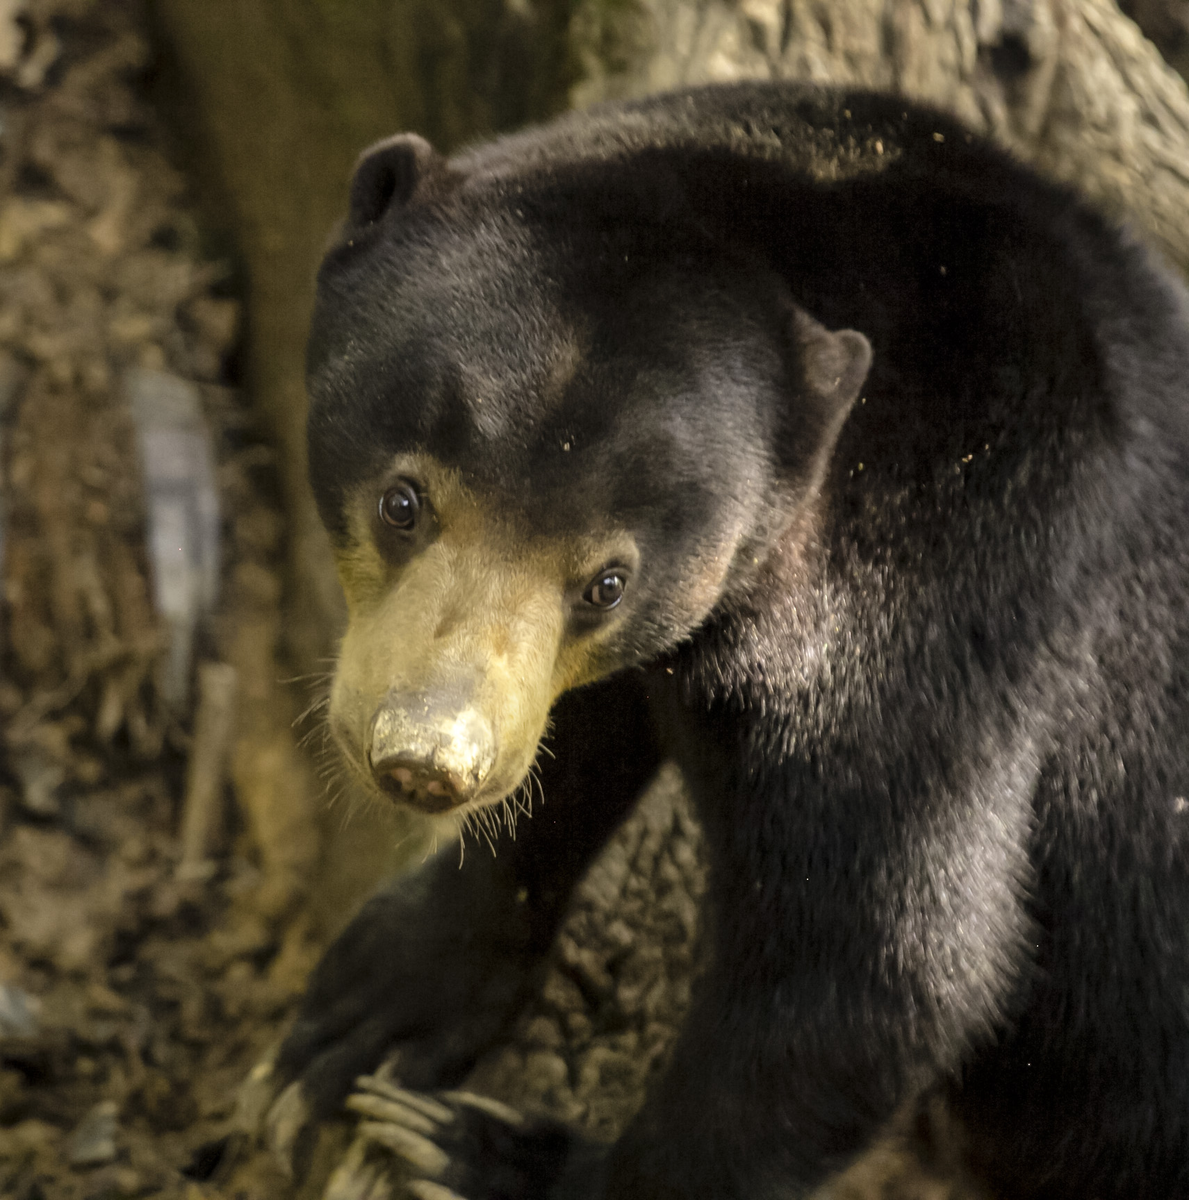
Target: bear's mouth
431,792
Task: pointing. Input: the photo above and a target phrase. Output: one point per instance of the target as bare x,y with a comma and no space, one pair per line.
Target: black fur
937,723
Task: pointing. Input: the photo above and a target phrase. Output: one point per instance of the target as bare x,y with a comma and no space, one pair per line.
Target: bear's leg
440,959
869,930
1088,1093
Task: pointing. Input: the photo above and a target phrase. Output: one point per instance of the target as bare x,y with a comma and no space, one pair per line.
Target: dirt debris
124,1027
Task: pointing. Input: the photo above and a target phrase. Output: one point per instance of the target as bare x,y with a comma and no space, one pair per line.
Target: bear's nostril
401,776
418,784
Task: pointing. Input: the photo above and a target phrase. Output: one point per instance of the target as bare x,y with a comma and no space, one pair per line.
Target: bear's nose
431,756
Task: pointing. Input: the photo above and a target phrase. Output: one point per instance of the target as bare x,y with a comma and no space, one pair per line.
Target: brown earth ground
125,1022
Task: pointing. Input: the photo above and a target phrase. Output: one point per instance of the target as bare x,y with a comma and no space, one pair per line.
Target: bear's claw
458,1145
424,1189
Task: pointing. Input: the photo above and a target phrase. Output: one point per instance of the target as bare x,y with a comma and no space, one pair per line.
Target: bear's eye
605,590
400,506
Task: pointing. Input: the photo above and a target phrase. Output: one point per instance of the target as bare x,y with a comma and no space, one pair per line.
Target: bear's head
554,424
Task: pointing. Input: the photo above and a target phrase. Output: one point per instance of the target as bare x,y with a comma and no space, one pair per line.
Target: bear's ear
831,368
834,364
388,173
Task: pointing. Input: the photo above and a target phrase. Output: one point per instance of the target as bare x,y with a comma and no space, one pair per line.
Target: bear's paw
456,1145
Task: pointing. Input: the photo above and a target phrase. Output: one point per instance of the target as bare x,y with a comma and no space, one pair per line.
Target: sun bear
804,438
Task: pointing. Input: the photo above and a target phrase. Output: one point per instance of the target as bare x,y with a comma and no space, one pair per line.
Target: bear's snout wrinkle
427,752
